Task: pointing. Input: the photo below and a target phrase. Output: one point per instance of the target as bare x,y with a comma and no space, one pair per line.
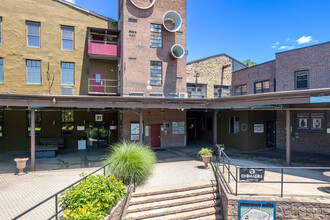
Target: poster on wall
256,210
259,128
317,121
135,132
302,120
178,128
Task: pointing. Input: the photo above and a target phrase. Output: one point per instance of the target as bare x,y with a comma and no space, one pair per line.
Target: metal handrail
219,187
56,196
223,156
127,194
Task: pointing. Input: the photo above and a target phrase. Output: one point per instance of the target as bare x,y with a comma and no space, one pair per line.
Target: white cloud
72,1
304,40
286,47
277,43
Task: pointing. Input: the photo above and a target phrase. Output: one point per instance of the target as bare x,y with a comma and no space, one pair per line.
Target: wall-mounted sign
259,210
135,131
259,128
244,127
328,130
113,127
98,117
320,99
178,127
80,128
251,174
147,131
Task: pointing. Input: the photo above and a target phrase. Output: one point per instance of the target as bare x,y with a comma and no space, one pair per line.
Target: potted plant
21,164
206,155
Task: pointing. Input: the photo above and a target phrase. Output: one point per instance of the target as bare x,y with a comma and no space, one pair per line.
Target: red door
155,136
98,82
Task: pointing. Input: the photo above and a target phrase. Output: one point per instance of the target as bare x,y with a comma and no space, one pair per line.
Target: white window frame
64,26
73,74
26,66
27,33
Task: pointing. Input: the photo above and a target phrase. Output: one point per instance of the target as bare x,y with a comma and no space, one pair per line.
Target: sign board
113,127
320,99
259,128
328,130
251,174
98,117
178,127
147,131
80,128
257,210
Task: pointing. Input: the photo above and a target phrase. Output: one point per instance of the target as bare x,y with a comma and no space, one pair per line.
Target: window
33,70
156,39
261,87
33,34
221,91
240,90
67,122
301,79
233,125
196,91
156,73
37,123
311,121
2,113
67,38
0,30
67,73
1,70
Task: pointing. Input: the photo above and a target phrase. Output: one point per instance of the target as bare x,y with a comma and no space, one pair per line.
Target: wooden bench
48,147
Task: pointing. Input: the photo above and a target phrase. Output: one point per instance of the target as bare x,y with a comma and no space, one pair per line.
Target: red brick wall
137,54
155,116
316,59
314,142
261,72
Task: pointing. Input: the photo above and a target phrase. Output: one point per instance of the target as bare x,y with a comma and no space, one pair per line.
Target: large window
261,87
156,73
1,122
33,34
33,70
67,70
307,121
233,125
67,38
196,91
221,91
67,122
156,39
240,90
37,123
0,30
301,80
1,70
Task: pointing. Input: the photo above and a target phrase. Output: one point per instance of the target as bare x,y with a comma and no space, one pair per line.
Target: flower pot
21,164
206,160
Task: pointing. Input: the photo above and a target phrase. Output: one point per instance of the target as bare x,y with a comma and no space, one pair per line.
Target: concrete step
181,189
206,213
171,203
210,217
200,209
172,196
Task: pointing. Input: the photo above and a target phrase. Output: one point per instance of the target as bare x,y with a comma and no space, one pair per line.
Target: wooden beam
33,138
288,137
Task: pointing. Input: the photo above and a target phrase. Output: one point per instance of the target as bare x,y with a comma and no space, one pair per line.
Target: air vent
133,20
67,91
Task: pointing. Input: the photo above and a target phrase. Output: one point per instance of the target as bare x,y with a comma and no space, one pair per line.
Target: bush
93,198
127,157
205,152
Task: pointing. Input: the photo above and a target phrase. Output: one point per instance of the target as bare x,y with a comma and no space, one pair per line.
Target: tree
249,63
50,79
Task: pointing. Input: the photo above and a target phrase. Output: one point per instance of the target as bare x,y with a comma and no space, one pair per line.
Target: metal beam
288,137
33,140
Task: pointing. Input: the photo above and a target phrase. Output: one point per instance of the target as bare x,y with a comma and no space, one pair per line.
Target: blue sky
245,29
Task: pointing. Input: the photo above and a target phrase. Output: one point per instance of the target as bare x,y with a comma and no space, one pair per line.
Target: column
288,137
141,126
33,140
215,127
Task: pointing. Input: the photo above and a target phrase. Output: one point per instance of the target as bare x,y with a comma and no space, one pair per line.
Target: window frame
161,73
38,123
73,80
27,78
27,33
241,90
195,86
296,82
67,132
1,71
236,125
262,86
220,95
0,30
151,35
73,37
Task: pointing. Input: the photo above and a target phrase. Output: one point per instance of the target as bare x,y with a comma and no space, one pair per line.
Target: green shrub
205,152
127,157
93,198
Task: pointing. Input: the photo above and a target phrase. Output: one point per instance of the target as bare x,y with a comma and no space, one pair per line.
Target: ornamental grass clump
127,157
93,198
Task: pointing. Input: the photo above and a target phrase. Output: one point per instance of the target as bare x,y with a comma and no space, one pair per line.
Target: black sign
251,174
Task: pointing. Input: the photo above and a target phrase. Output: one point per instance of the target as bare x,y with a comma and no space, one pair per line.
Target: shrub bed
93,198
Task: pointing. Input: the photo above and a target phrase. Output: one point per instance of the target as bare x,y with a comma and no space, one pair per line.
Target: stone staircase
191,202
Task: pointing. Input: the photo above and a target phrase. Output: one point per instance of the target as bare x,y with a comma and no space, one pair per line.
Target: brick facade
137,53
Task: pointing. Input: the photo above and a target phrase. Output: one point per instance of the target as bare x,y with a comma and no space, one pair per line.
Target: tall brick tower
153,39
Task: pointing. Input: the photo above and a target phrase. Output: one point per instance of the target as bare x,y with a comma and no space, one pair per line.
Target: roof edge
301,48
256,65
218,55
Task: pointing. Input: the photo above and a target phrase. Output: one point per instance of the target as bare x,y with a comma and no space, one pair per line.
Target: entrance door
155,136
98,82
98,135
271,134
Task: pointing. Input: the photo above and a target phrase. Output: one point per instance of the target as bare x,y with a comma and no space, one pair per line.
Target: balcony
102,87
103,44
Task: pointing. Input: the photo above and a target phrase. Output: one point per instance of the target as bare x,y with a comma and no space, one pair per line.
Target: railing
103,86
103,37
57,212
224,162
218,175
129,188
